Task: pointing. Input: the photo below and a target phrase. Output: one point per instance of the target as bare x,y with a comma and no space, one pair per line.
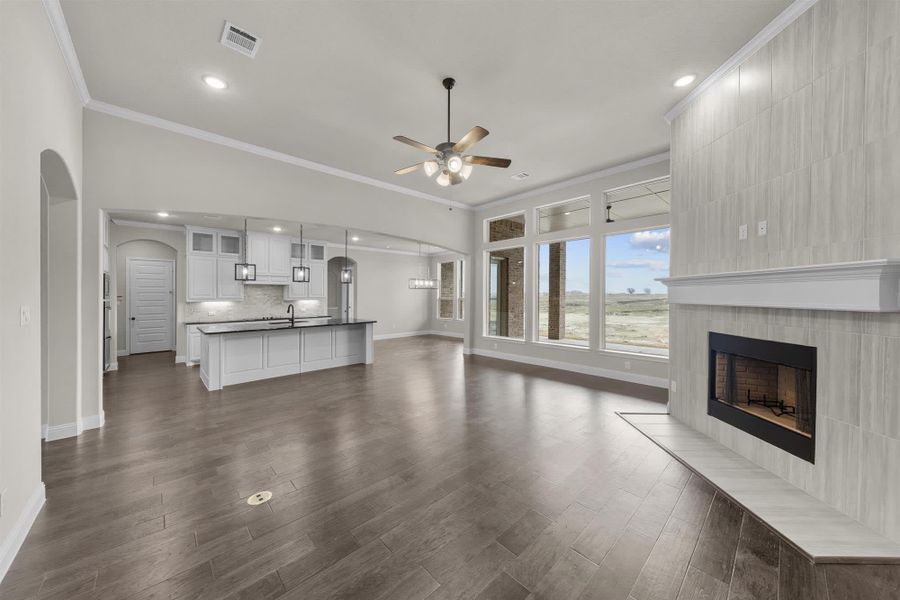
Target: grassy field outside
633,321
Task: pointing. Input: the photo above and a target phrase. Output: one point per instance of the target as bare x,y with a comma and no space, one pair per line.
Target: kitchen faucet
291,312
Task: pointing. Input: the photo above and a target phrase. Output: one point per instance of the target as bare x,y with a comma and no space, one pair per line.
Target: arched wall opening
342,296
60,313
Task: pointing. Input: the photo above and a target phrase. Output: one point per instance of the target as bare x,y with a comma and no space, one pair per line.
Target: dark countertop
299,324
268,319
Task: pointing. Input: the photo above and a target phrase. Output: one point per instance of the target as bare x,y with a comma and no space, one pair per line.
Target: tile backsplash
259,301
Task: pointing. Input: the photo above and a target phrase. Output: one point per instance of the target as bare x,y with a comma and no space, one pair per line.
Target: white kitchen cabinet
317,279
194,338
317,251
226,286
201,278
258,253
202,241
318,270
229,243
279,259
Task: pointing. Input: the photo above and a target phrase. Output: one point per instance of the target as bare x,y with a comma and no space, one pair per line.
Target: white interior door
151,305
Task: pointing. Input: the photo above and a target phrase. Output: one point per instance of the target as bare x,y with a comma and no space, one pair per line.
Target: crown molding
766,35
628,166
339,246
67,48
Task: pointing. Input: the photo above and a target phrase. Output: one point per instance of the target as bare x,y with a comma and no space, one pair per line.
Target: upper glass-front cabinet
316,251
202,241
230,244
298,250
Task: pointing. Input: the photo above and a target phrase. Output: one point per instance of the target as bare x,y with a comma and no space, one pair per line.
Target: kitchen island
240,352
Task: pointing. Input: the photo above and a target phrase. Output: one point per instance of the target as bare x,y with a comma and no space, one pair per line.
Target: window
506,228
460,289
639,200
506,293
564,297
566,215
447,290
636,306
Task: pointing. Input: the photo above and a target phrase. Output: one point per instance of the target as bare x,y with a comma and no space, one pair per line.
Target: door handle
132,318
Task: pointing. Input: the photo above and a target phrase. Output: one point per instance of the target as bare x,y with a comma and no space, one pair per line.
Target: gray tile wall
805,135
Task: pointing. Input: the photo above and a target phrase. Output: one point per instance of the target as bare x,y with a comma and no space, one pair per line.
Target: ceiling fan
448,156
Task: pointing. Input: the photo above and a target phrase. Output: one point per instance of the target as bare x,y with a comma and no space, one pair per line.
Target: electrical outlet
673,385
742,232
627,365
762,228
495,345
24,315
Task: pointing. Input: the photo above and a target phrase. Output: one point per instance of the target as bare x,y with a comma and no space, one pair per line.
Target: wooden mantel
861,286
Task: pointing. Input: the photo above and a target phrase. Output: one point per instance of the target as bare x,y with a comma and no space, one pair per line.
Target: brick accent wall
556,325
447,289
506,229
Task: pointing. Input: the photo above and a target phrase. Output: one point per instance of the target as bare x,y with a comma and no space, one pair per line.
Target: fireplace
767,389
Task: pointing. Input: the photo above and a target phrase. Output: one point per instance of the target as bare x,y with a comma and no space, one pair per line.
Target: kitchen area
248,299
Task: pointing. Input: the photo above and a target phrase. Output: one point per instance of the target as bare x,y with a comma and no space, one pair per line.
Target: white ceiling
565,88
323,233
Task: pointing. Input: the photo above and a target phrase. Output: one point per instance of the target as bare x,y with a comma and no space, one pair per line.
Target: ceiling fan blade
488,161
409,169
475,134
405,140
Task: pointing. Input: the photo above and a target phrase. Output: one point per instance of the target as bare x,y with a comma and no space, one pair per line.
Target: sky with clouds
633,260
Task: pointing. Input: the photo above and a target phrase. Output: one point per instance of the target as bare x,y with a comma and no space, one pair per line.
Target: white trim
60,432
127,223
861,286
113,366
628,166
659,382
123,352
43,431
180,358
442,333
766,34
130,260
93,421
67,48
215,138
392,336
340,247
22,525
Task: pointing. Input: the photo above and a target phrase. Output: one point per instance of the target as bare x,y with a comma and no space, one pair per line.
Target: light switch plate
762,228
627,365
673,385
742,232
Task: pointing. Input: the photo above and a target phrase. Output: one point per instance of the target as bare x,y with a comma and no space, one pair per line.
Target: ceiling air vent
238,39
519,176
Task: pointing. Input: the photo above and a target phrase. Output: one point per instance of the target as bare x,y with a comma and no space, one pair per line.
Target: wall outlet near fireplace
742,232
762,228
673,385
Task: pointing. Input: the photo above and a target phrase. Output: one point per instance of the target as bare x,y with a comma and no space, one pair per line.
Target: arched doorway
60,301
341,296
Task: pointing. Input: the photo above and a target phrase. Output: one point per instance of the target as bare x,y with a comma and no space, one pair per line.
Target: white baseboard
51,433
113,366
122,353
10,546
179,359
43,431
660,382
442,333
94,421
392,336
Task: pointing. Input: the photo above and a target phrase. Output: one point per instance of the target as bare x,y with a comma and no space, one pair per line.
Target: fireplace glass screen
765,388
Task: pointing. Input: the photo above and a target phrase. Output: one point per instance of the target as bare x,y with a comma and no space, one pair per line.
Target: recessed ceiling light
162,214
567,213
387,246
276,229
354,239
214,82
684,80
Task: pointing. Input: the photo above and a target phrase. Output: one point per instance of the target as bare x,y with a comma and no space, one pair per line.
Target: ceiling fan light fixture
443,179
465,171
454,164
430,167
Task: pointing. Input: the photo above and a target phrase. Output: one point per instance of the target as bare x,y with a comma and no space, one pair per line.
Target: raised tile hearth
822,533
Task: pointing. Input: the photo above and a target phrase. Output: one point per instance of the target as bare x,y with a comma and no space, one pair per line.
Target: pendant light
244,271
423,283
346,273
301,273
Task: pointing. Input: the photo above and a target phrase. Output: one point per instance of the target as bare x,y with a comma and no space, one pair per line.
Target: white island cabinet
238,353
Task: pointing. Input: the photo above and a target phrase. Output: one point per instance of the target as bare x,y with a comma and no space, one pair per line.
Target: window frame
486,296
602,317
439,298
568,232
536,319
486,227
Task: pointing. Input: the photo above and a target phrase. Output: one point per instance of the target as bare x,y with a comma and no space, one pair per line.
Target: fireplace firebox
765,388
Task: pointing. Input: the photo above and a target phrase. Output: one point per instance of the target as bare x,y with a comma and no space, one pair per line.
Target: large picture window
636,305
506,293
564,298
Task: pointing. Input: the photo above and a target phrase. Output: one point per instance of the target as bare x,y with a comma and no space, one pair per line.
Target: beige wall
651,370
805,135
39,109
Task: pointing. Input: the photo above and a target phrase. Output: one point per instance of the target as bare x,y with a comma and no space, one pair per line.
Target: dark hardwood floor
425,475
